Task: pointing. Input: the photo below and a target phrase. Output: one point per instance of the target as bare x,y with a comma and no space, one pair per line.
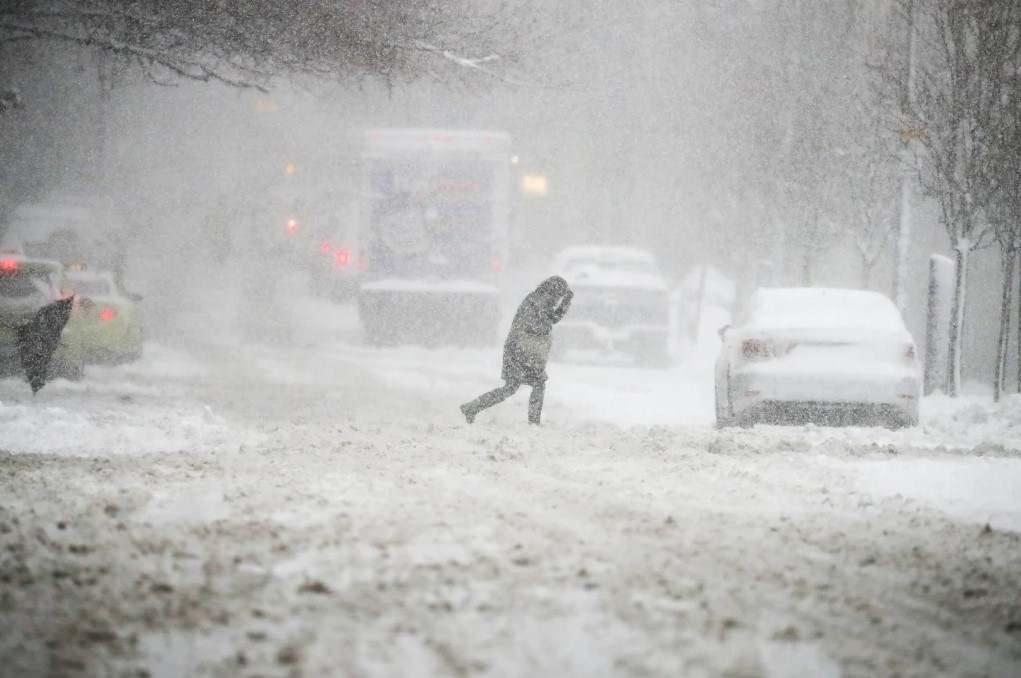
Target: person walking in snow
527,348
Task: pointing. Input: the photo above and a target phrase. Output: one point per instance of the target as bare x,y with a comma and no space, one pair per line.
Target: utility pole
900,291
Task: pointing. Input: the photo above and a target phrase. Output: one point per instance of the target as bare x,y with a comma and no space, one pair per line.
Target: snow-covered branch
245,43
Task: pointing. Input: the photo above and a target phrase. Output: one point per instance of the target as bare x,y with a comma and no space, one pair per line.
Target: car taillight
326,247
8,266
497,265
342,256
107,314
292,226
755,349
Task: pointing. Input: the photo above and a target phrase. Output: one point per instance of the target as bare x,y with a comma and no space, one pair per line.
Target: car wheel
897,423
70,370
129,357
722,421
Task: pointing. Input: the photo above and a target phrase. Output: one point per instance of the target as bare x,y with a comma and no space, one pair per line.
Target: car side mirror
723,331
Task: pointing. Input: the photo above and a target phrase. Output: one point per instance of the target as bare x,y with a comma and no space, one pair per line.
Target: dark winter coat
38,340
528,343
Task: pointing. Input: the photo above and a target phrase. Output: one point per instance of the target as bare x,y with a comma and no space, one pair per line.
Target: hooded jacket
528,343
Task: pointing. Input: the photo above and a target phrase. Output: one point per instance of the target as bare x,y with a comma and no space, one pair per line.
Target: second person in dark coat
527,348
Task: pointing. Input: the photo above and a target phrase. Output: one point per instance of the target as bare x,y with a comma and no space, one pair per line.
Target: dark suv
26,285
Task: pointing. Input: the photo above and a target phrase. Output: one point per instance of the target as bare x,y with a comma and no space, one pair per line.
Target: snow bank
975,421
141,407
966,489
36,428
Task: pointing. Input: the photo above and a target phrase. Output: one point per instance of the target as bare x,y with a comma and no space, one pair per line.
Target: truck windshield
431,215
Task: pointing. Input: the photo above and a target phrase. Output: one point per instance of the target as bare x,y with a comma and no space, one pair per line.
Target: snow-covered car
106,323
827,356
621,303
26,285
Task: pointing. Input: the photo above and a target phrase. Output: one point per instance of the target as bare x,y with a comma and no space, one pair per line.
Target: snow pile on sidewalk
974,421
141,407
35,428
981,491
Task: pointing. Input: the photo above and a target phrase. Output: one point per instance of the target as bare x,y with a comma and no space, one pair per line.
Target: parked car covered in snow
828,356
621,303
106,323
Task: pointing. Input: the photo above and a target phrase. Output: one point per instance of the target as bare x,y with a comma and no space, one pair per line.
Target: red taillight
292,226
8,265
755,349
107,314
342,256
326,247
497,265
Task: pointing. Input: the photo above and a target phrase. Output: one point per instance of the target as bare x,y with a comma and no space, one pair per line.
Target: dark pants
498,395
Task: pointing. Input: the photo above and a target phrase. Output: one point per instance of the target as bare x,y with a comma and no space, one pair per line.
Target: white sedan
827,356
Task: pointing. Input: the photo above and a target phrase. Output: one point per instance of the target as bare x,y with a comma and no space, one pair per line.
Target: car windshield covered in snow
805,308
630,265
611,266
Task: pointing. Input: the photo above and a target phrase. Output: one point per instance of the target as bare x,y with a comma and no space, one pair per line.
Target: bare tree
872,193
792,167
1005,215
1008,236
869,172
962,48
246,43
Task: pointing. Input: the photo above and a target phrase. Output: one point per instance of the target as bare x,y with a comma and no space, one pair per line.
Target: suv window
20,286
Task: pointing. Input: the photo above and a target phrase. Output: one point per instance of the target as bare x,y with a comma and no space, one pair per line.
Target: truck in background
432,235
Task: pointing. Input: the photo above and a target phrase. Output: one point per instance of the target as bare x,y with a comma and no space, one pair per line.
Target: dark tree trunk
1003,341
1018,389
957,320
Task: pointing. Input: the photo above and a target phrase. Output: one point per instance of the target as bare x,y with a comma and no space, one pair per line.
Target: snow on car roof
609,266
89,276
821,307
605,252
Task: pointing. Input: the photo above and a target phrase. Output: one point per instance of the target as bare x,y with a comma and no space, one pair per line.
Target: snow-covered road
318,508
